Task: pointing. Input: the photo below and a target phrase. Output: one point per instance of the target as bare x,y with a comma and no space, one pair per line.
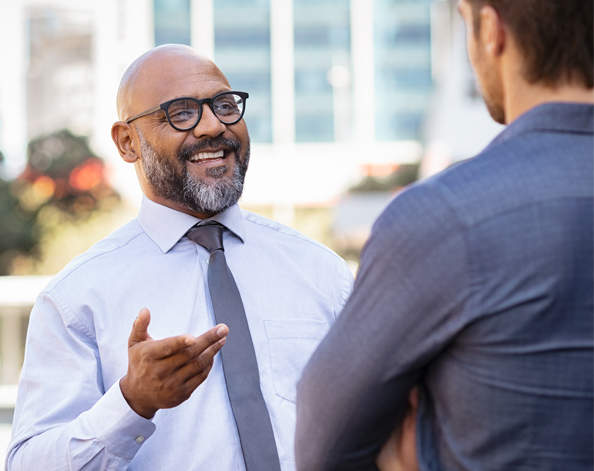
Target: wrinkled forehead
165,77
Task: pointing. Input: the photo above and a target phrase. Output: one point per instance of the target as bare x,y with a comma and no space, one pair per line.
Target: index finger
172,346
203,342
160,349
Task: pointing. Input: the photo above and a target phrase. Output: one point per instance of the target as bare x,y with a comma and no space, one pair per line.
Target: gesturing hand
164,373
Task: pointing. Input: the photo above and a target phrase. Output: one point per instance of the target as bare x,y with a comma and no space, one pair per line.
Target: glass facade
322,51
322,63
242,52
60,74
172,22
403,81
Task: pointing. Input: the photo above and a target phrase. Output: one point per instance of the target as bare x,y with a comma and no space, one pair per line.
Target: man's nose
209,125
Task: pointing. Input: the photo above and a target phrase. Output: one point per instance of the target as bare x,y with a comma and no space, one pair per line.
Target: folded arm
403,312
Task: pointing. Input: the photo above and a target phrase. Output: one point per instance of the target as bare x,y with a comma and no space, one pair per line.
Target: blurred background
350,101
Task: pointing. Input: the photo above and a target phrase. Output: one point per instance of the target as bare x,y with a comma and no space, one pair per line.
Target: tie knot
209,236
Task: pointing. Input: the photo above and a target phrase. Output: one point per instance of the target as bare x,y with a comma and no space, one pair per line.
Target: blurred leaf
57,154
17,233
404,175
63,181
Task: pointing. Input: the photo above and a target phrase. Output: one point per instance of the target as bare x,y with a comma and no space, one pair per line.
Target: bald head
161,70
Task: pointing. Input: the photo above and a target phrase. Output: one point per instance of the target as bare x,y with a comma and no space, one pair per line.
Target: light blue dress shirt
70,412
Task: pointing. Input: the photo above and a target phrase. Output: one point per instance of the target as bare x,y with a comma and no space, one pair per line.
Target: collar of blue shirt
574,118
166,226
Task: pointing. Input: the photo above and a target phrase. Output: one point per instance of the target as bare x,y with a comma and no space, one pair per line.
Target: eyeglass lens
185,113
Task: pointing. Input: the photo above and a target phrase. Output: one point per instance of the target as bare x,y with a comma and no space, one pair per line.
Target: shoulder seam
67,314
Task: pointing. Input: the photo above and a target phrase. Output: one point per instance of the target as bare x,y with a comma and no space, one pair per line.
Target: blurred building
312,66
61,63
324,71
367,80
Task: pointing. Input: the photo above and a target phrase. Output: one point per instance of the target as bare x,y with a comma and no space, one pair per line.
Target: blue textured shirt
477,283
70,412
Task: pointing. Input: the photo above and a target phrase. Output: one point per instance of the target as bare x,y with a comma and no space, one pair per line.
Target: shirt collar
577,118
166,226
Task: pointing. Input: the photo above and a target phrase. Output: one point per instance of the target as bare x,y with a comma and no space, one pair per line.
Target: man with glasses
94,395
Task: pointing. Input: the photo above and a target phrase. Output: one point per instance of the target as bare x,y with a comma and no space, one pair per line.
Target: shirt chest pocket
291,343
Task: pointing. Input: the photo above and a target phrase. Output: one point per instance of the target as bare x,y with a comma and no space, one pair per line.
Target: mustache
209,143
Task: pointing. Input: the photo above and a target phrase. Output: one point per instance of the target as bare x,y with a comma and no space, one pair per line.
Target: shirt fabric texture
478,284
70,412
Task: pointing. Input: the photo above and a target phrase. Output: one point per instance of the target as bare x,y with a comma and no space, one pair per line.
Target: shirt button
139,439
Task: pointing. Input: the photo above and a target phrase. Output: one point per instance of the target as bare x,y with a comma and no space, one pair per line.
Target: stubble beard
177,185
494,108
490,88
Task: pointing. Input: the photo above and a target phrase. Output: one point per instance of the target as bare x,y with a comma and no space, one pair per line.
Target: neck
520,96
178,207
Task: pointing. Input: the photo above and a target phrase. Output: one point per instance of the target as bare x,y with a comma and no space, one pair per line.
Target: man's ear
122,136
492,32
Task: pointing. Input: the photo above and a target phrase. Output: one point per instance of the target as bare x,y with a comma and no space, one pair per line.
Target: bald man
121,367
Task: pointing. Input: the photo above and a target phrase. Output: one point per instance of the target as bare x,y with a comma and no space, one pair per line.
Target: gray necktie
239,358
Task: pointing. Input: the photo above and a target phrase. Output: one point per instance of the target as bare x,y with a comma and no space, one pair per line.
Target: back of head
554,36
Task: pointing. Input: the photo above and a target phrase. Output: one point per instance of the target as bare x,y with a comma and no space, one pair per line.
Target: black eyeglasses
184,113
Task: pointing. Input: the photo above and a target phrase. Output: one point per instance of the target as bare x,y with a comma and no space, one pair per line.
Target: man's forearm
345,412
354,391
107,436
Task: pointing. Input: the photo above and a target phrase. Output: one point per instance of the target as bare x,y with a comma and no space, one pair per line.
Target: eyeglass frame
165,107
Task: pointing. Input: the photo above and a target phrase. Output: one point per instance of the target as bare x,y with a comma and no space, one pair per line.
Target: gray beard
185,189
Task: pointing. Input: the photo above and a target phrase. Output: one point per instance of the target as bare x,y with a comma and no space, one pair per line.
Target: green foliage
62,177
402,176
17,231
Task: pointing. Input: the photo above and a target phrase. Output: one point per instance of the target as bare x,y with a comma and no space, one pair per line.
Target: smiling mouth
203,157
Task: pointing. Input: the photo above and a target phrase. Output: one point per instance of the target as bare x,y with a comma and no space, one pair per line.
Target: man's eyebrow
196,97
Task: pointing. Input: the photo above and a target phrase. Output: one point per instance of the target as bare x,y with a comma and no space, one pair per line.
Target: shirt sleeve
64,418
405,308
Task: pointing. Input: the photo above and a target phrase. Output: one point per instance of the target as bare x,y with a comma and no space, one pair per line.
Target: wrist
135,404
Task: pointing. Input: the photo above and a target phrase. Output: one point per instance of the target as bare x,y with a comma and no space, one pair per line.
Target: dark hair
555,36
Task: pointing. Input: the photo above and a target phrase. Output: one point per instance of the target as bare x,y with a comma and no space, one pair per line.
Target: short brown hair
555,36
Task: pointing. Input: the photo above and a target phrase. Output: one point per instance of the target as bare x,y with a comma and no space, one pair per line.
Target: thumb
139,328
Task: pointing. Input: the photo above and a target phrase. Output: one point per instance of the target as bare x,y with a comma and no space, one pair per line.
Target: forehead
165,78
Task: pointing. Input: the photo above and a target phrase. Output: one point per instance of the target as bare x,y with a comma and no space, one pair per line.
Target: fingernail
190,341
223,340
222,331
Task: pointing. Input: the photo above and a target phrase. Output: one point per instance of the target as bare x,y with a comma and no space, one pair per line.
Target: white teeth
206,156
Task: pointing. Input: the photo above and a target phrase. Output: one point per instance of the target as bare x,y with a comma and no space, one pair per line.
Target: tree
62,174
